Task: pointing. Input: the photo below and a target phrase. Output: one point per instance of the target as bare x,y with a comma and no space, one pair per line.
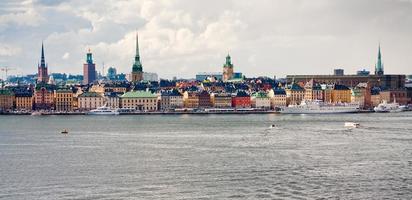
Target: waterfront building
400,96
43,97
260,100
341,94
112,100
6,99
362,94
204,99
241,100
24,100
137,69
90,100
42,75
171,100
190,99
277,98
379,64
63,99
294,94
89,69
139,100
313,91
227,69
221,100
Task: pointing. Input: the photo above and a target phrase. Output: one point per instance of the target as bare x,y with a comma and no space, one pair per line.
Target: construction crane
6,70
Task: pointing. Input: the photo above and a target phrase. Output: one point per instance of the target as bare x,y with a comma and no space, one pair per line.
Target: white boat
104,110
319,107
36,113
352,125
387,107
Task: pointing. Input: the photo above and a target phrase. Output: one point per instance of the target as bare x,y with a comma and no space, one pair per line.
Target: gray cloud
182,37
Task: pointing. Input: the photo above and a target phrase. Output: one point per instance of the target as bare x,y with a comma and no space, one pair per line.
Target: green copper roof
379,64
228,62
260,95
137,65
138,94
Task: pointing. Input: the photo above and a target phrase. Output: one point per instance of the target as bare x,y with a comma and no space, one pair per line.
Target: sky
182,37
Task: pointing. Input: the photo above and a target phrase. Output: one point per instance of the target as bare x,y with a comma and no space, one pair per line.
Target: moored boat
104,110
319,107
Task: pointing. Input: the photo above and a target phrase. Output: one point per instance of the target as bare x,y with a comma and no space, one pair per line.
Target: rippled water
206,157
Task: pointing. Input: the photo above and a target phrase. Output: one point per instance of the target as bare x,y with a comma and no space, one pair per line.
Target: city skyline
194,42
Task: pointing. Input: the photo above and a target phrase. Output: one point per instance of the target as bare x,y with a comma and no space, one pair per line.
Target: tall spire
137,65
43,60
379,63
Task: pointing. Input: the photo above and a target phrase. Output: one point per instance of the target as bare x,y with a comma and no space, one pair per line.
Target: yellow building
341,94
294,94
190,99
6,99
24,101
139,100
63,99
277,98
90,100
313,91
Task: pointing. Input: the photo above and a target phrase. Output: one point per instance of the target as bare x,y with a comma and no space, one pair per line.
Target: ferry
319,107
104,110
388,107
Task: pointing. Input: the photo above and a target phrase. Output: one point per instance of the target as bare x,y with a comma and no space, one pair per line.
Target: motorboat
387,107
65,131
104,110
352,125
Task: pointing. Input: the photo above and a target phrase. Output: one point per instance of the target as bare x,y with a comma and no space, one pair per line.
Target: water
206,157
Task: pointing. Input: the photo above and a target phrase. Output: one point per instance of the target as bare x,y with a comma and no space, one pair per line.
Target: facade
90,100
221,100
137,69
112,100
43,97
362,94
190,99
313,91
260,100
341,94
6,99
139,100
294,94
241,100
227,69
204,99
63,99
400,96
89,69
24,100
42,74
277,98
171,100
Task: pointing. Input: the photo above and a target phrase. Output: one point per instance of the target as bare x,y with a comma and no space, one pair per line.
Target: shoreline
187,113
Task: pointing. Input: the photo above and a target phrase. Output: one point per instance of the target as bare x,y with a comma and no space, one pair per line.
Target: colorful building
90,100
44,97
63,99
313,91
204,99
221,100
341,94
260,100
277,98
241,100
171,100
139,100
6,99
112,100
294,94
190,99
24,100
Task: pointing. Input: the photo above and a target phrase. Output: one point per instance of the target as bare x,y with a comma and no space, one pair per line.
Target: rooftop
139,94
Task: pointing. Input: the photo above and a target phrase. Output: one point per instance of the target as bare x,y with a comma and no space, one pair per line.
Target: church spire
137,46
43,60
379,63
137,66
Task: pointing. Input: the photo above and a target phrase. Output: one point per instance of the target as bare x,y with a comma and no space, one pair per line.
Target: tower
137,69
89,69
379,64
42,75
228,69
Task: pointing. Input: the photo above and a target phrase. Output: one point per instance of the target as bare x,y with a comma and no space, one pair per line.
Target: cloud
183,37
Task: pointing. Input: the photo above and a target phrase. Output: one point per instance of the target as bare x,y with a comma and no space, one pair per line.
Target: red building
43,97
241,100
204,99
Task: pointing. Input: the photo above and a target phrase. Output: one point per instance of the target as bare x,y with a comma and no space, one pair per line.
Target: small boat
273,126
36,113
104,110
352,125
65,131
